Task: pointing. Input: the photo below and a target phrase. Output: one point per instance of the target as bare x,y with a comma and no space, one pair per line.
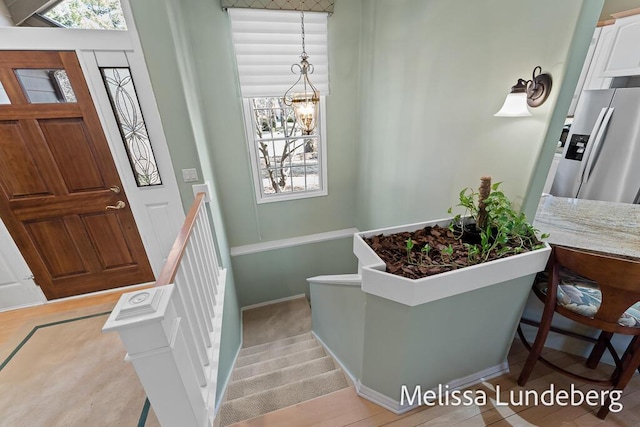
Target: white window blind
268,42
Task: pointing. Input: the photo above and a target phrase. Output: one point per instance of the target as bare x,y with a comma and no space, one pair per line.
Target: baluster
180,350
212,251
203,249
197,356
203,283
191,309
207,225
191,282
155,341
199,281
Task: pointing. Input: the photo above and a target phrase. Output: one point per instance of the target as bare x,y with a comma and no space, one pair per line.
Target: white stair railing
172,330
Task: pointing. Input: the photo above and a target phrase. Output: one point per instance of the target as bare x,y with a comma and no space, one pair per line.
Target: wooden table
613,228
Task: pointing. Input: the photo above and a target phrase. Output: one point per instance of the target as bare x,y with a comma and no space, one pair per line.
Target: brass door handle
115,189
119,205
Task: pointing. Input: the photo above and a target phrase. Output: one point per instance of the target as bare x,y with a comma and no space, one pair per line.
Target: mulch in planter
392,249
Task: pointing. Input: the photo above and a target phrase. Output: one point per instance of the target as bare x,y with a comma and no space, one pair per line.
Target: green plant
473,253
446,252
425,251
505,231
409,247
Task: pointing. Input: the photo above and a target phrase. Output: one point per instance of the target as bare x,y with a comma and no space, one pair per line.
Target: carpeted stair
278,374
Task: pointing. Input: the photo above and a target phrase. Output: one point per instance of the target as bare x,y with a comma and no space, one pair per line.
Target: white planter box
412,292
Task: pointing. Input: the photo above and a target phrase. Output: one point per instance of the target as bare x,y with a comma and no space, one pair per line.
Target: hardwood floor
345,408
16,324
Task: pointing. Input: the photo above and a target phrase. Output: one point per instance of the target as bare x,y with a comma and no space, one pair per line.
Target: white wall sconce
525,94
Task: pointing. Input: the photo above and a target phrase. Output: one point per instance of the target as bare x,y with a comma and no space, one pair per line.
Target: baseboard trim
460,383
294,241
123,289
27,305
275,301
379,399
332,354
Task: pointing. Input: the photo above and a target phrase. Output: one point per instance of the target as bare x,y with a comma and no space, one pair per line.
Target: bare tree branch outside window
288,159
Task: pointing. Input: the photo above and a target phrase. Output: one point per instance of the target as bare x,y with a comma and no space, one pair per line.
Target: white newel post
151,331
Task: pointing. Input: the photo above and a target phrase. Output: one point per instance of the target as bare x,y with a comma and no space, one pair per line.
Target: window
88,14
4,98
286,164
128,113
43,86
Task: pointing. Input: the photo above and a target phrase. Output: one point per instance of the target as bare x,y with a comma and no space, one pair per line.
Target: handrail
173,331
170,269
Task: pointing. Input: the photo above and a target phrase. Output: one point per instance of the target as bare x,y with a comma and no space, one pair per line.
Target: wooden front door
60,194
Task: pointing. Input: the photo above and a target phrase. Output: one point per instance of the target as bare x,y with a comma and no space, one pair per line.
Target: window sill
292,196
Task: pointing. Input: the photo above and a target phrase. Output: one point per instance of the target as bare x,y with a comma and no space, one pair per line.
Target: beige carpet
68,373
275,322
281,363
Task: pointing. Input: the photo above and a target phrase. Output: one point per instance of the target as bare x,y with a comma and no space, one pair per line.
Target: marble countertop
590,224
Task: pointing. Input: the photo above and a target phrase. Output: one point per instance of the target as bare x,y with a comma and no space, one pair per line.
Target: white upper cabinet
595,78
624,58
591,76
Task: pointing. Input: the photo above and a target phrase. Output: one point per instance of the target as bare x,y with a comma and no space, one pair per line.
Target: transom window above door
82,14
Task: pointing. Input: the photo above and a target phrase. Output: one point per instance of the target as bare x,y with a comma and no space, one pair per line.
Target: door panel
56,247
107,235
67,140
57,201
18,174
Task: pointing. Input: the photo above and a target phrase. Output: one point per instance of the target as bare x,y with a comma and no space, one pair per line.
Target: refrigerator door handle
595,149
592,137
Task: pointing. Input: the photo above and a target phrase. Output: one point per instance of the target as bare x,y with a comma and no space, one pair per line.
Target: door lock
115,189
119,205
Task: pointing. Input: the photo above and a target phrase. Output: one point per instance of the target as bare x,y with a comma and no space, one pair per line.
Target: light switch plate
189,175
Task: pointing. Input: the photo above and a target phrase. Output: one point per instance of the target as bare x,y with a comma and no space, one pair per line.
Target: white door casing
158,214
17,288
157,209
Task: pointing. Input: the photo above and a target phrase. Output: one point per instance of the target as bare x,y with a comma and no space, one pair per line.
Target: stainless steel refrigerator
601,157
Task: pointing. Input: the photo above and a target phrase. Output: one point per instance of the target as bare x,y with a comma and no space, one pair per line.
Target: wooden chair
596,290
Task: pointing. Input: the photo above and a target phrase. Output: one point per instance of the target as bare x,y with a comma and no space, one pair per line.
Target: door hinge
29,277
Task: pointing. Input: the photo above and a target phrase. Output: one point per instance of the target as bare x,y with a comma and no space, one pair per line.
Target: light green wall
438,338
433,74
166,43
247,222
227,158
410,122
284,272
399,147
337,313
153,24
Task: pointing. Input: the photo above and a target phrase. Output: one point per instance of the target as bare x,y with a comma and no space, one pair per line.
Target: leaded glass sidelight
126,108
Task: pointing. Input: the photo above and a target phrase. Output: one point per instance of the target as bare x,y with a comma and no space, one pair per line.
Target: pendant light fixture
304,103
525,94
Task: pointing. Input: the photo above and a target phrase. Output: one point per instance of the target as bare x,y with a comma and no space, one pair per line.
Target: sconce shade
515,105
525,94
